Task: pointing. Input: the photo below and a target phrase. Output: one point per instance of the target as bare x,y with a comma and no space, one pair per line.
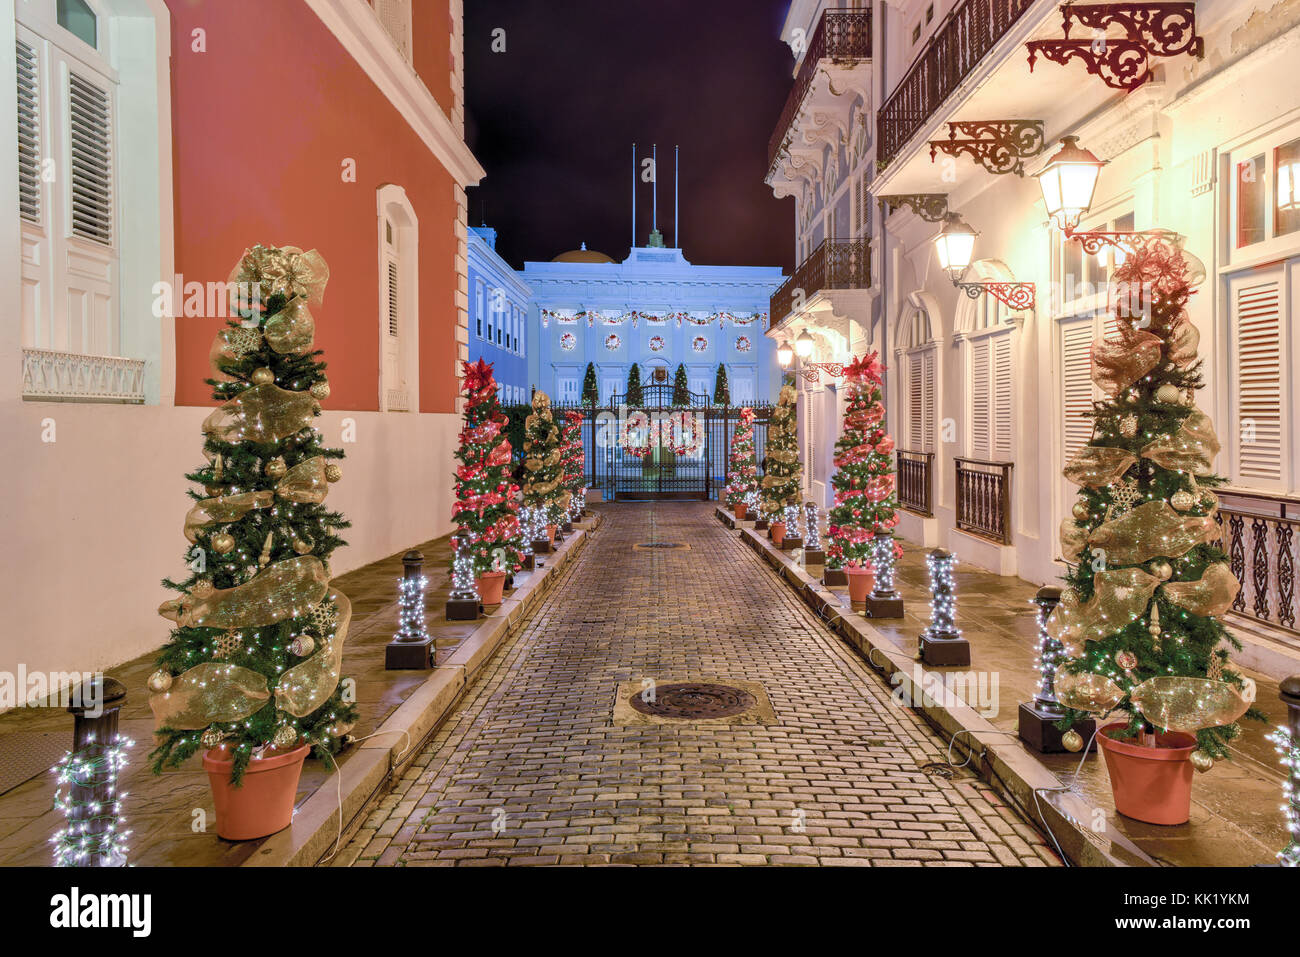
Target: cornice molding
356,27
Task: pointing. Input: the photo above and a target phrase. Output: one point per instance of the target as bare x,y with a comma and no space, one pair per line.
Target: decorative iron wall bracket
1000,146
1156,29
811,371
1014,295
1094,241
931,207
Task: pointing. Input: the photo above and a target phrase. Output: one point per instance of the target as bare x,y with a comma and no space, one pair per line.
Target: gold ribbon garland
282,270
223,509
1191,448
305,483
1096,466
261,413
1120,597
1189,704
1152,529
1087,691
283,590
292,329
1210,595
1074,537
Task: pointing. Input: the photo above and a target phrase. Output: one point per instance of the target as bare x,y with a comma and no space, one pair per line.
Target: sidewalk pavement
1236,819
160,810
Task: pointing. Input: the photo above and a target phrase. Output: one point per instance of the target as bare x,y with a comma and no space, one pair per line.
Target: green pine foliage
634,397
264,649
783,473
742,471
681,387
544,462
721,390
590,390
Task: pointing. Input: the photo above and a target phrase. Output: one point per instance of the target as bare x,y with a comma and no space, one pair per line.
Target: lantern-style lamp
804,345
784,355
1068,182
955,245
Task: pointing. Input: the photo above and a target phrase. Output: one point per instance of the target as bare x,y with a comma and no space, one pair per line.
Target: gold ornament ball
1169,394
275,468
222,543
1201,761
1182,500
1081,510
1069,597
285,737
1154,630
1072,740
1162,570
214,490
301,547
320,390
202,588
333,472
213,737
160,681
302,646
262,377
1128,426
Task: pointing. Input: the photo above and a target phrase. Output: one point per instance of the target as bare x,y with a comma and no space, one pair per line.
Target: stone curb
999,758
395,744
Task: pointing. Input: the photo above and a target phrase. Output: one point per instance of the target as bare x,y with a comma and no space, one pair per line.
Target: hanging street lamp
955,247
1068,182
784,355
804,345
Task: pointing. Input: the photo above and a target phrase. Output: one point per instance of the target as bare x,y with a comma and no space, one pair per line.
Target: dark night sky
553,119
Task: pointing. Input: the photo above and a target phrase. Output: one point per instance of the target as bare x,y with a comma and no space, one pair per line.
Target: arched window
399,309
918,361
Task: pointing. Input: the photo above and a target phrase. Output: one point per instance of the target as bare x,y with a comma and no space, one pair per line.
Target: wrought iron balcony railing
916,481
984,499
842,36
964,38
1261,536
835,264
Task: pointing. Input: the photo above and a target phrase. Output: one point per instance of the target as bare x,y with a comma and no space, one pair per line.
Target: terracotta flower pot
1150,784
550,535
490,586
861,581
263,802
778,533
740,510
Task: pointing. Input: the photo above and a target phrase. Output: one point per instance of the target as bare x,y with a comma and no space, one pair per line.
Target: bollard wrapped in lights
884,600
792,537
813,554
412,646
87,795
1039,717
942,644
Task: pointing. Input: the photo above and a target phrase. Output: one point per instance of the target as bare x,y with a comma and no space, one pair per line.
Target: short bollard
412,646
1038,717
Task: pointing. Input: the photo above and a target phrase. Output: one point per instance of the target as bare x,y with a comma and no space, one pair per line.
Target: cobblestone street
532,767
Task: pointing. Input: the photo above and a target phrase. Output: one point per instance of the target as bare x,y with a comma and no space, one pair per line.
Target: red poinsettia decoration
866,368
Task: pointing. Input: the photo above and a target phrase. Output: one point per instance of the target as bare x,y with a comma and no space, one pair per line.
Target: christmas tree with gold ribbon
544,490
1139,616
254,662
782,471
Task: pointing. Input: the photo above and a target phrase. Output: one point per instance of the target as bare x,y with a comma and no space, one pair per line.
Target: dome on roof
583,255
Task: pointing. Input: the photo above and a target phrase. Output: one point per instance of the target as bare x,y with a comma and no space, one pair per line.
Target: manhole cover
694,700
661,545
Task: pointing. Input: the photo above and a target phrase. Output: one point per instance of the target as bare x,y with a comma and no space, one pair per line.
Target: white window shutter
1076,385
90,139
1002,405
929,400
1257,360
29,135
981,442
915,401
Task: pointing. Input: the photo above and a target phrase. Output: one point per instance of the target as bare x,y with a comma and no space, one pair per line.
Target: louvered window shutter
915,400
981,432
929,401
1002,408
91,141
1076,385
394,302
1258,366
395,15
29,135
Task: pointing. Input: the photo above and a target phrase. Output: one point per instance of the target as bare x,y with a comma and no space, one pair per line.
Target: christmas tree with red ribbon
485,512
865,510
573,457
742,475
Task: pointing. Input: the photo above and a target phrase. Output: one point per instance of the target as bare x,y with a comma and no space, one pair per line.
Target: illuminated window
1250,201
1286,162
79,19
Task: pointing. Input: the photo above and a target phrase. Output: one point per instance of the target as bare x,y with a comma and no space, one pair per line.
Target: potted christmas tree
251,672
544,490
864,515
742,476
1139,616
575,464
487,538
783,472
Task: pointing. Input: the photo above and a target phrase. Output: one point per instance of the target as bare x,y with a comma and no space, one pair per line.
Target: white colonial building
903,113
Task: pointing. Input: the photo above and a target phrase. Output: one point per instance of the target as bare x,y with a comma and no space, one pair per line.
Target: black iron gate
614,434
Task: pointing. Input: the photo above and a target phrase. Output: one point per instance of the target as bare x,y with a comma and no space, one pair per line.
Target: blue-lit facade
499,305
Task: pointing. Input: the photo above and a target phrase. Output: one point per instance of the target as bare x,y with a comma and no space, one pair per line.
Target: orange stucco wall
263,122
